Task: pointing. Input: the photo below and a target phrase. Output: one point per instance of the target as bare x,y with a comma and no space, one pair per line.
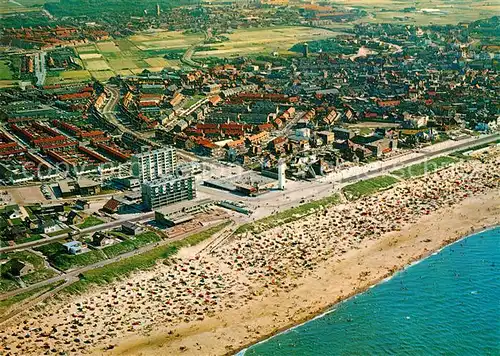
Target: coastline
377,260
332,307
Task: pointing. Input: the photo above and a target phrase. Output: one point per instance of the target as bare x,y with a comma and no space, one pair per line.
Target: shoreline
329,309
417,241
262,284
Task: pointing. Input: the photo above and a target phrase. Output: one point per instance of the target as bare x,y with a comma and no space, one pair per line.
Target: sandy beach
317,291
258,284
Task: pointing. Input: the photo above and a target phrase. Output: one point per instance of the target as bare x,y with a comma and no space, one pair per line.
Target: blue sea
447,304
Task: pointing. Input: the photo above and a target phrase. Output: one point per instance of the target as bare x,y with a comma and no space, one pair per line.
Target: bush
429,166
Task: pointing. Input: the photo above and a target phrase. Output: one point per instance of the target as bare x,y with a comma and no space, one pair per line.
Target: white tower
281,175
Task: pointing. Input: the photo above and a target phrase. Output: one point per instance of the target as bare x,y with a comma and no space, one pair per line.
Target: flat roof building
151,165
168,190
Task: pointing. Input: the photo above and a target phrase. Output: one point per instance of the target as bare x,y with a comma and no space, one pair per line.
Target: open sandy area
216,303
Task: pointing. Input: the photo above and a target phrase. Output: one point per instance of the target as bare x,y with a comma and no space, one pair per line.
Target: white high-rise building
151,165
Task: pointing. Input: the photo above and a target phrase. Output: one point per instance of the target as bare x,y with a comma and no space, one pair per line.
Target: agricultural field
104,60
102,75
159,39
96,65
429,166
70,76
426,12
369,186
11,7
262,41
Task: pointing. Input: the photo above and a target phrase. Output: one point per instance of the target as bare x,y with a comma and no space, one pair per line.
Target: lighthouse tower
281,175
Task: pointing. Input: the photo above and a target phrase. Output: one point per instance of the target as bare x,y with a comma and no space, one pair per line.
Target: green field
39,276
7,285
71,76
131,244
429,166
41,272
369,186
262,41
59,258
122,268
5,72
134,54
29,257
90,221
289,215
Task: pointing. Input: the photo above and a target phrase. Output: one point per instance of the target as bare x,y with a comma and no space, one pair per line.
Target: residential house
17,268
130,228
100,239
74,247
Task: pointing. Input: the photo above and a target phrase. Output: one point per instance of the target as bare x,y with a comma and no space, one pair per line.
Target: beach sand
330,281
213,303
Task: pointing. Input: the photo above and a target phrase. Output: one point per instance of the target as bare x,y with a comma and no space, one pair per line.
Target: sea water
447,304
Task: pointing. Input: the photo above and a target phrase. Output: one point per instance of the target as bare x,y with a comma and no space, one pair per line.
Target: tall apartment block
151,165
168,190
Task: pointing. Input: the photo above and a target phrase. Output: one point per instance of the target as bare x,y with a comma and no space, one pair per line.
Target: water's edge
332,307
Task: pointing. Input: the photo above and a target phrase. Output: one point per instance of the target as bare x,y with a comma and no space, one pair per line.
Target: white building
281,175
151,165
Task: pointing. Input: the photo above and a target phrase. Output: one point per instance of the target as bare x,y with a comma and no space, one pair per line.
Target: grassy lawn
6,304
120,269
369,186
29,239
29,257
289,215
66,261
7,285
5,72
59,258
192,100
131,244
89,222
429,166
39,276
119,248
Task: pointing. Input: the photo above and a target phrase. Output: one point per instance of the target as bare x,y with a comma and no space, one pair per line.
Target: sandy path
332,280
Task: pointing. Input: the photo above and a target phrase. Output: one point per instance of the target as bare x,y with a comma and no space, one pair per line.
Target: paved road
424,156
78,232
186,58
109,113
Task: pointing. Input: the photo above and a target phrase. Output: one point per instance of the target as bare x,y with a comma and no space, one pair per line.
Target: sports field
262,40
